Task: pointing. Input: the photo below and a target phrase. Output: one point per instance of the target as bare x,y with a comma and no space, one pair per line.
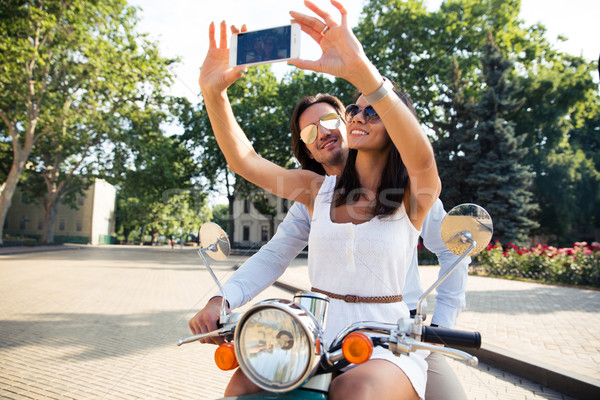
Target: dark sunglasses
369,113
329,121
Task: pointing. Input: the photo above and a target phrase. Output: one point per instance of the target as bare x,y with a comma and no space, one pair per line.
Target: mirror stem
465,237
223,318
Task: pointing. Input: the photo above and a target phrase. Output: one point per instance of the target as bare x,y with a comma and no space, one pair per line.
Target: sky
181,27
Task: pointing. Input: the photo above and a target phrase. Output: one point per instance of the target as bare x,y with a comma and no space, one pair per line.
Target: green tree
220,216
184,213
499,179
156,194
455,141
61,64
5,157
561,120
568,193
130,214
436,57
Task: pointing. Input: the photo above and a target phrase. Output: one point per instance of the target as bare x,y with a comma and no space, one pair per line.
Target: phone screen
264,45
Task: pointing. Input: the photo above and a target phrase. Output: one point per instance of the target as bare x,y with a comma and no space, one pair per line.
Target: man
263,268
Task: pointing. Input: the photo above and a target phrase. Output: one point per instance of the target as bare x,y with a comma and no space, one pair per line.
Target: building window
24,198
61,225
264,233
246,233
23,222
80,200
246,206
40,224
79,225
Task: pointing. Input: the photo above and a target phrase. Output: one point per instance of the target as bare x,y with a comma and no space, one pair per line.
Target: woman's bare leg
375,379
240,385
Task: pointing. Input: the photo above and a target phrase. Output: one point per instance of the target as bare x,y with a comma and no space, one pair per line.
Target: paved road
101,323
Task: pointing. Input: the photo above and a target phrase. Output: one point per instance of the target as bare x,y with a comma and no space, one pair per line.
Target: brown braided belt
350,298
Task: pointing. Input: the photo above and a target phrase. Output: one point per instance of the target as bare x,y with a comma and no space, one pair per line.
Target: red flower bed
577,265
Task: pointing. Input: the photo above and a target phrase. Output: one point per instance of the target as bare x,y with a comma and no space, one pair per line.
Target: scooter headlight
278,345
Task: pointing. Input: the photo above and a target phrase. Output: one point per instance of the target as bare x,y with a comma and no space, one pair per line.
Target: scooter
279,343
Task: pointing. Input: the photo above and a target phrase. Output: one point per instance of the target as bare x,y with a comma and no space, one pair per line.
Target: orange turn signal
225,357
357,348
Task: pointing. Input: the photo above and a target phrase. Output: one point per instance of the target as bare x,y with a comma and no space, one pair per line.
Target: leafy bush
578,265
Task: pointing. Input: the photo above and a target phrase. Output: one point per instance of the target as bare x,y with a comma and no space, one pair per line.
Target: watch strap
385,87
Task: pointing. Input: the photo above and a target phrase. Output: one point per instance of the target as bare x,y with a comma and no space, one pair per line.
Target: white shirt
271,261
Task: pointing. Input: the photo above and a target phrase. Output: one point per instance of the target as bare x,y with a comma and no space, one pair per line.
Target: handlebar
406,337
451,337
222,331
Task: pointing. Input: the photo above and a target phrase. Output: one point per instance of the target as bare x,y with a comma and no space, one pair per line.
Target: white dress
368,259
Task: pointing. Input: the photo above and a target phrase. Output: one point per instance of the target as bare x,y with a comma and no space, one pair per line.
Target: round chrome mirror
462,221
214,241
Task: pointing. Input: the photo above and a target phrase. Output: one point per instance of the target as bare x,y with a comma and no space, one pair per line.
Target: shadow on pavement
79,336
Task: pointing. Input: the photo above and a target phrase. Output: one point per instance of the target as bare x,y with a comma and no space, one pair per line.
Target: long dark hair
300,150
390,192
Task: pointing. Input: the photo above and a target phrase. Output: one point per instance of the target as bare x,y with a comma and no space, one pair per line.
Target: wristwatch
386,87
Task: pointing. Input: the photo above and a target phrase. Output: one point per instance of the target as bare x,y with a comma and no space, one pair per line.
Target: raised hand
216,75
343,55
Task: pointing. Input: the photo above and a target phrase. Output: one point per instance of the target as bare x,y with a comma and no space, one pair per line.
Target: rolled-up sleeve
450,299
271,261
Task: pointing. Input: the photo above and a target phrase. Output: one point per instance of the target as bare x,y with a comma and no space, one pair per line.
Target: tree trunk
7,190
231,199
50,200
50,212
126,233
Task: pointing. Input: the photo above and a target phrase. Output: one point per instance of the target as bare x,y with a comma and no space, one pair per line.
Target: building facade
253,229
93,222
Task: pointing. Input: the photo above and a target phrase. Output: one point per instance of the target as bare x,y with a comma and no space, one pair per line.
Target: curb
9,251
556,378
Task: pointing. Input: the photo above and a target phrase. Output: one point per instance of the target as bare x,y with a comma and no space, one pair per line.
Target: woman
363,220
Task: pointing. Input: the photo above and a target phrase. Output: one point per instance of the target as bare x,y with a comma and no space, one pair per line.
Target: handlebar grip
451,337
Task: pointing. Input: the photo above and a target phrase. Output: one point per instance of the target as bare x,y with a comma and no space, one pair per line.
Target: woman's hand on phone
216,75
343,55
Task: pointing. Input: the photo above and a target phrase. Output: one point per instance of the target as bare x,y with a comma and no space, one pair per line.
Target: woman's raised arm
215,77
344,57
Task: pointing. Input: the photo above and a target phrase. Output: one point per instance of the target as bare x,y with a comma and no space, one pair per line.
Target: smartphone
265,46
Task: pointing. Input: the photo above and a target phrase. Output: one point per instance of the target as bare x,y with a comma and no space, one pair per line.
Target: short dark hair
299,148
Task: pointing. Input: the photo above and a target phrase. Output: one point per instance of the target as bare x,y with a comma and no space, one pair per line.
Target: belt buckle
350,298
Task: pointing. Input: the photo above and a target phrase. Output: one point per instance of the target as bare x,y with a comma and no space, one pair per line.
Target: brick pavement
101,323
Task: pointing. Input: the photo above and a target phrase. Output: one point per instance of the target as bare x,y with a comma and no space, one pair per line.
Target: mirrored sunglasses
329,121
369,113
